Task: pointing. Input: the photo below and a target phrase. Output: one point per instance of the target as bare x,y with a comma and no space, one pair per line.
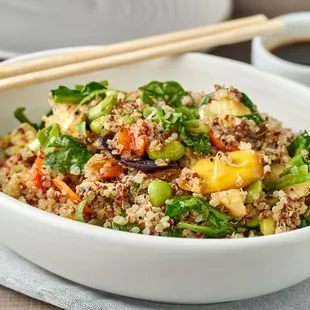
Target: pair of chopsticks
104,57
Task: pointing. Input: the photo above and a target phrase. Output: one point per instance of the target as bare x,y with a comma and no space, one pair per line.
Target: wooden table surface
9,299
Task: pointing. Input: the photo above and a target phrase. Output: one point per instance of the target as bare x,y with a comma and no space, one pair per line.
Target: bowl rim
28,212
264,54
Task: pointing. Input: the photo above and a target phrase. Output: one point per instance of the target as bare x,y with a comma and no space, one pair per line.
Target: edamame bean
172,150
159,191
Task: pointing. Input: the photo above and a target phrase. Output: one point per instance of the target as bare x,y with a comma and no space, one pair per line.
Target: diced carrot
61,185
131,143
215,141
87,210
39,163
36,173
111,172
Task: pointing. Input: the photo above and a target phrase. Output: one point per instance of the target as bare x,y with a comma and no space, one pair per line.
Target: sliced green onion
153,113
103,108
81,128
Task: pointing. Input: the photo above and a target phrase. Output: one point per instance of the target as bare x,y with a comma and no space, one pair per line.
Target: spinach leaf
171,92
66,154
93,86
20,115
64,94
199,142
86,93
301,142
219,225
255,116
209,231
192,132
127,227
185,203
182,204
174,232
190,113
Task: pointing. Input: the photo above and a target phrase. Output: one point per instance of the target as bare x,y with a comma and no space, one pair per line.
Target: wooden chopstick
128,46
218,39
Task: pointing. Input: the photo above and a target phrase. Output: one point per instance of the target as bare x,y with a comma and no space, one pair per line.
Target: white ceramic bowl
159,268
33,25
297,29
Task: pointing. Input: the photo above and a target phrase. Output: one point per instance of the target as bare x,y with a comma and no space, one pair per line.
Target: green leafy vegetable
79,213
301,142
190,113
199,142
255,116
171,92
191,130
64,94
182,204
218,222
66,154
20,115
127,227
174,232
296,175
297,170
211,232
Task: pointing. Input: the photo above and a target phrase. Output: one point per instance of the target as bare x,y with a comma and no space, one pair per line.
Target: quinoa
235,172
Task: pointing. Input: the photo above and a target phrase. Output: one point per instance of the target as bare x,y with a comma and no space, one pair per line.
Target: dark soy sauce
297,52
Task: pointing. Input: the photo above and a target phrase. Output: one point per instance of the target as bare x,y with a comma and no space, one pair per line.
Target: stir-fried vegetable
255,116
297,169
20,115
62,186
103,108
217,223
66,154
82,209
132,143
64,94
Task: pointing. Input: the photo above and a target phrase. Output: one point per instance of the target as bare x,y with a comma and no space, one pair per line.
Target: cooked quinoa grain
225,169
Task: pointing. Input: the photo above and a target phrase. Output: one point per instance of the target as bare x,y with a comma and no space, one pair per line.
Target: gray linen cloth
20,275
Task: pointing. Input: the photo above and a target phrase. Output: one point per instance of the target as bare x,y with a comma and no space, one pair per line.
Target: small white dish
162,269
297,29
